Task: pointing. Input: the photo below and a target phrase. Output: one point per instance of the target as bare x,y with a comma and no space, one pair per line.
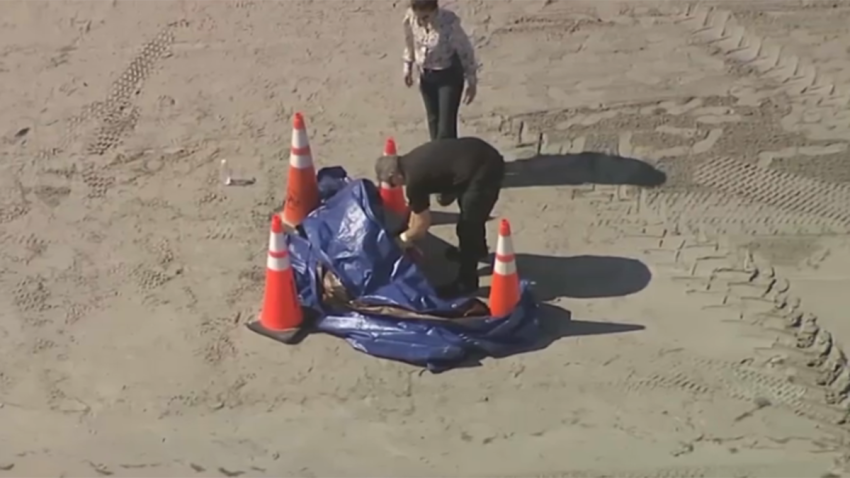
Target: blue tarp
346,237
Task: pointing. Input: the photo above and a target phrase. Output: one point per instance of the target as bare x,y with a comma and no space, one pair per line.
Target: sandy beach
696,328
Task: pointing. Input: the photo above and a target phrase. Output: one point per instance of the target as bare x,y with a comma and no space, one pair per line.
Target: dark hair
386,167
424,5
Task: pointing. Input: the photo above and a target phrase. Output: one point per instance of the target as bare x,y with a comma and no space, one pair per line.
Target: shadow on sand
581,277
578,277
581,168
556,324
571,169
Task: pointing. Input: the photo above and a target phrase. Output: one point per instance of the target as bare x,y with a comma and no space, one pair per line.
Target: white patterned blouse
432,46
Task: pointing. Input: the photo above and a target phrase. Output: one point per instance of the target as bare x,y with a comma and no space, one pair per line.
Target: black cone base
288,336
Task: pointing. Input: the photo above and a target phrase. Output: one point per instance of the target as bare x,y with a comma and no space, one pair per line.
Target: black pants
476,203
442,91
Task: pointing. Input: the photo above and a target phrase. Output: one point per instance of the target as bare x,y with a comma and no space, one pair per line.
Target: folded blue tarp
381,303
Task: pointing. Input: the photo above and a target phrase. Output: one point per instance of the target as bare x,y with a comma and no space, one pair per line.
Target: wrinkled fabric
346,237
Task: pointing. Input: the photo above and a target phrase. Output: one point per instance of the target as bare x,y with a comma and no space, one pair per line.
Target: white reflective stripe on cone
299,152
299,139
504,268
277,243
300,161
504,246
278,261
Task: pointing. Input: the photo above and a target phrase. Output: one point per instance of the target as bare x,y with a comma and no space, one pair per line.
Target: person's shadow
578,277
557,323
581,168
572,170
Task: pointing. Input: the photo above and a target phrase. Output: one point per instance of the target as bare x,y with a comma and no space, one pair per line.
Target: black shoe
453,255
446,199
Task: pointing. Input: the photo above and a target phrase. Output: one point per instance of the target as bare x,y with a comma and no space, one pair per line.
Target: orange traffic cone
302,188
393,197
281,316
504,290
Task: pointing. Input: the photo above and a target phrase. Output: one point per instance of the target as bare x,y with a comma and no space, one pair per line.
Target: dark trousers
476,203
441,92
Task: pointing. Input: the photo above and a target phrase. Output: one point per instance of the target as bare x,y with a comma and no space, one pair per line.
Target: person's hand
408,79
469,94
403,244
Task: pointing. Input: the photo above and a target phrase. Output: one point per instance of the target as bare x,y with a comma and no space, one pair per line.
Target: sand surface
707,315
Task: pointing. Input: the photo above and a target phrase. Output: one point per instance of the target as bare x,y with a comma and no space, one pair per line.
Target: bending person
468,168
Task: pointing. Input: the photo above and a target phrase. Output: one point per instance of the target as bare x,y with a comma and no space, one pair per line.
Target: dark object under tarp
361,287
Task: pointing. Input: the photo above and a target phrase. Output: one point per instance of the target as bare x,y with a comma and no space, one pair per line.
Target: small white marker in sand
226,176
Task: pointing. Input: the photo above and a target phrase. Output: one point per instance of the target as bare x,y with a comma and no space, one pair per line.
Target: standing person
468,168
437,44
